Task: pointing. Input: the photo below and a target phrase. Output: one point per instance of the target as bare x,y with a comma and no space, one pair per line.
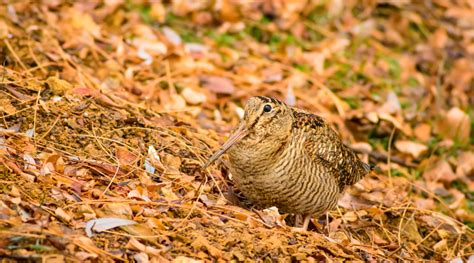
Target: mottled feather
325,146
285,157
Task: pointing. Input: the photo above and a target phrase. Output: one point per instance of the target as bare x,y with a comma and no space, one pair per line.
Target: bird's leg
298,220
327,222
306,219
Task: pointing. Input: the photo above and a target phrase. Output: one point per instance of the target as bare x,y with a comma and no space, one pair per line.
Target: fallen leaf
58,86
106,223
441,245
141,258
440,171
125,157
412,148
218,84
423,132
201,242
172,36
183,259
63,214
134,244
392,104
193,97
455,125
465,164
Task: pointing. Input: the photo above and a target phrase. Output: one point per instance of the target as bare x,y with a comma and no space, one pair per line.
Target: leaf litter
109,110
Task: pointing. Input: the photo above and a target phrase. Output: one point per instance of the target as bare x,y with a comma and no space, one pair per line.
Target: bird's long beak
237,136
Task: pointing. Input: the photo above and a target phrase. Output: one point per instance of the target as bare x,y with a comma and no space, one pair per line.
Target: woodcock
285,157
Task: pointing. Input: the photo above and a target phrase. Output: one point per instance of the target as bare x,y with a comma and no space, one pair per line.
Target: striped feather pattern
300,168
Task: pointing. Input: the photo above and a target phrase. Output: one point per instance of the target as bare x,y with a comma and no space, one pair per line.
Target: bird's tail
368,167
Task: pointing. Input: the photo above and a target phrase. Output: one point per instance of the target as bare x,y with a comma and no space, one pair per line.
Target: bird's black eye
267,108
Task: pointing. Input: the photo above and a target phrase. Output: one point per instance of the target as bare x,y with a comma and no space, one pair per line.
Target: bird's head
265,119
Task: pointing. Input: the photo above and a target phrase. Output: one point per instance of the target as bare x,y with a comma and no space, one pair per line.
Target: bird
289,158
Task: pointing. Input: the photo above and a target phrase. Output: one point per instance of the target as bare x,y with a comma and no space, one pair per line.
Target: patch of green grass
302,67
142,9
319,15
470,112
224,39
266,20
274,42
461,186
171,18
341,78
314,36
421,28
416,174
189,36
375,141
353,102
404,104
413,82
40,248
255,32
292,40
453,150
396,173
375,95
394,68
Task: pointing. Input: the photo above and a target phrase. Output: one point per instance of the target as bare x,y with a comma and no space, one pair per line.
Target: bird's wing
325,146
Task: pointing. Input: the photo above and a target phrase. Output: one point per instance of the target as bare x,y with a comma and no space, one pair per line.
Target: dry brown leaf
183,259
440,171
134,244
216,84
455,125
193,97
465,164
125,157
423,132
105,223
58,86
201,242
413,148
141,257
122,210
63,214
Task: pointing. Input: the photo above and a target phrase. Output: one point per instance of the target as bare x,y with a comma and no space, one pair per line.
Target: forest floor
110,109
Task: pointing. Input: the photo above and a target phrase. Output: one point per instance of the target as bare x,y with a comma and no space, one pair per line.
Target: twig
382,157
15,55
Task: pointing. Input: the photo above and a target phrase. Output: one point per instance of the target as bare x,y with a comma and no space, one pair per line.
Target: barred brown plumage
285,157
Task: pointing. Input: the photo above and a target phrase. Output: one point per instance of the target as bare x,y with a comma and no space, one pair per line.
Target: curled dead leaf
134,244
